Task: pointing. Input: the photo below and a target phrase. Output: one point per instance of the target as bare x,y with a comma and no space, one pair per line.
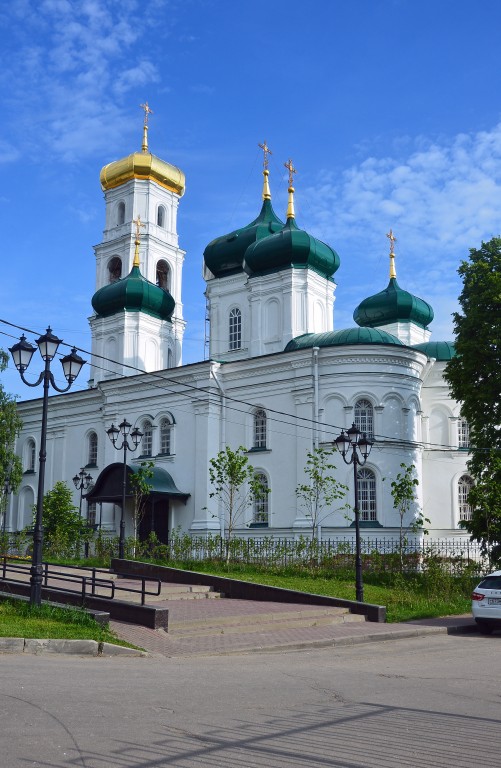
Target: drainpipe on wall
315,351
214,367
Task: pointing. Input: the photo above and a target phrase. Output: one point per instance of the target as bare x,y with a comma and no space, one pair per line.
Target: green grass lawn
414,597
18,619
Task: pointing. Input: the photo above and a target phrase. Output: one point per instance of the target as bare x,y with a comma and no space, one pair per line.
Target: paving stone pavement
251,639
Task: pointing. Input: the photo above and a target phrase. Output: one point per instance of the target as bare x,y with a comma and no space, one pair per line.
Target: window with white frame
91,512
463,434
161,216
30,456
235,329
147,439
166,436
364,417
366,483
92,450
259,428
261,506
465,485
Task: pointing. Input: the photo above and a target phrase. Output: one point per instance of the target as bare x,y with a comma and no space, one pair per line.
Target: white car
486,603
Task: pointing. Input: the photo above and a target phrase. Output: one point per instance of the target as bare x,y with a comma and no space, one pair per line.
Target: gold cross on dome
266,151
138,224
291,170
147,111
391,237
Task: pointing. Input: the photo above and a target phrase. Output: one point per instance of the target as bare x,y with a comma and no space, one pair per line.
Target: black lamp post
7,490
22,352
114,433
360,448
82,482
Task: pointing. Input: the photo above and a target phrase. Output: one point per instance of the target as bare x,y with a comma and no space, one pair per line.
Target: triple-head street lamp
22,352
82,482
360,448
114,433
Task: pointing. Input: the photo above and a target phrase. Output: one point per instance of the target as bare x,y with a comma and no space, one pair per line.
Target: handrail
50,573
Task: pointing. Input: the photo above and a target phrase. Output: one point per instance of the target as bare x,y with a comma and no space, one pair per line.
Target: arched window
260,513
465,485
115,269
463,434
259,428
235,329
163,275
161,216
364,417
366,484
92,450
29,456
120,213
147,441
166,436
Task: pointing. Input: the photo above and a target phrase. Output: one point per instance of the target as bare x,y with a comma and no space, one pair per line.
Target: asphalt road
429,701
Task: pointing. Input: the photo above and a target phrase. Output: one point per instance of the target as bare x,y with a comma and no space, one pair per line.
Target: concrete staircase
297,618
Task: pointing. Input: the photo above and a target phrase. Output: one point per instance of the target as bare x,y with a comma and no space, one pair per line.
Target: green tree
321,490
64,530
236,487
141,487
10,426
473,376
411,518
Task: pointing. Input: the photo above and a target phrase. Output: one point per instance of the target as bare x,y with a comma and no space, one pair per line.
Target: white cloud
440,200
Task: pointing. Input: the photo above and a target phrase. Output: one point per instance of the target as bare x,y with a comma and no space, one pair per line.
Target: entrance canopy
109,485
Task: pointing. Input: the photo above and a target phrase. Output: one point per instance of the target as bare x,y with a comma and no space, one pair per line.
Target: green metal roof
225,254
391,306
134,294
290,247
440,350
345,337
109,484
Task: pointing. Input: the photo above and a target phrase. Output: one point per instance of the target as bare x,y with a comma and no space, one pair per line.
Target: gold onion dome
143,165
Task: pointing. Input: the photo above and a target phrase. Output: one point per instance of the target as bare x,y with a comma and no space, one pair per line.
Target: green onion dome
290,247
343,338
225,255
133,294
393,305
440,350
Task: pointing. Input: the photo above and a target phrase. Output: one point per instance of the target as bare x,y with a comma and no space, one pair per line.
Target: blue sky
390,110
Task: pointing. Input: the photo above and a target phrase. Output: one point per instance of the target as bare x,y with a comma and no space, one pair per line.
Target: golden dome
143,165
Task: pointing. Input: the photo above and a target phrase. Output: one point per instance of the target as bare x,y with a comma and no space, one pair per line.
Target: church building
280,380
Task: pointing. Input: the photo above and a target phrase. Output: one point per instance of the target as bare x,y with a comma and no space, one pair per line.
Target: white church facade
280,379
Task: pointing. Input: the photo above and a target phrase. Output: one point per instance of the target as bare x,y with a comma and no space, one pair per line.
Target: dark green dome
291,247
440,350
225,255
133,294
345,337
391,306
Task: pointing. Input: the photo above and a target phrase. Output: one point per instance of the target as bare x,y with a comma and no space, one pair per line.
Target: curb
37,647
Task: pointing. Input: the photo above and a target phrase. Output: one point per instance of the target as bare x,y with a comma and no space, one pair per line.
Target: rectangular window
463,434
91,513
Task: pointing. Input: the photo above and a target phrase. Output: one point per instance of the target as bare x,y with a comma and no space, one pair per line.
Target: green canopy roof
109,484
440,350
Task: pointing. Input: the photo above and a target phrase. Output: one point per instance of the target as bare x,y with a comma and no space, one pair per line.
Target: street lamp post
82,482
360,448
22,352
114,433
